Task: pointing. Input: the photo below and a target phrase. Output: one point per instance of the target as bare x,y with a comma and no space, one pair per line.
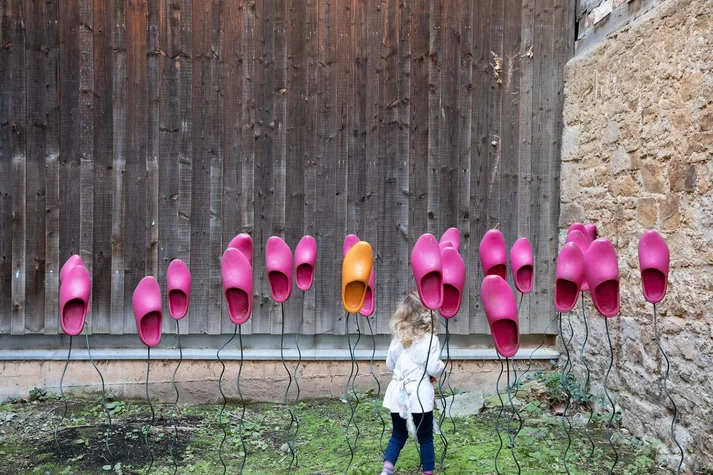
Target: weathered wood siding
133,132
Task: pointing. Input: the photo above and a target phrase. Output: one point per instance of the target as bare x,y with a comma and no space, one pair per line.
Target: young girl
410,396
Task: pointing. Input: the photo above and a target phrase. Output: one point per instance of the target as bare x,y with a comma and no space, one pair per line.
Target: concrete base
198,379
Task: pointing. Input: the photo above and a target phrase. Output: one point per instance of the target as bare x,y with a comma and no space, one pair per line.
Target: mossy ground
27,444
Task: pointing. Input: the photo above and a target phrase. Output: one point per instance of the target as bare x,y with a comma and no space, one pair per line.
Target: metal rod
296,372
354,378
377,402
242,401
418,387
564,381
512,407
444,405
175,403
103,400
500,413
586,385
288,431
665,388
66,407
225,401
348,397
147,431
611,401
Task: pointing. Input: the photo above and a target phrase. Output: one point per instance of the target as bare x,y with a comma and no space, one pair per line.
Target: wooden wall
133,132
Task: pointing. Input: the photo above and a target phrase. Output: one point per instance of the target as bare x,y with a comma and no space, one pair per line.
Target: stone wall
637,155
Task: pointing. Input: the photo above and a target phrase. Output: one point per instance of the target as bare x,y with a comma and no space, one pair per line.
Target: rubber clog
453,281
582,241
569,277
591,231
74,294
146,302
356,272
602,270
243,243
349,242
501,310
237,275
493,254
428,271
71,263
369,305
452,235
178,286
579,227
654,260
522,263
305,260
278,259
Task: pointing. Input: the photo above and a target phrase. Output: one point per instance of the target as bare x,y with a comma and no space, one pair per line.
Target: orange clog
356,271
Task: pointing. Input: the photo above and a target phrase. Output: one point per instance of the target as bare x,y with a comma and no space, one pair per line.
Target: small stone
467,404
624,186
570,142
706,121
646,213
571,213
652,178
619,162
683,177
671,213
611,133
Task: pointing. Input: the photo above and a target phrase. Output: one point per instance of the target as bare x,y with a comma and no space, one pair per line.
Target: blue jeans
399,436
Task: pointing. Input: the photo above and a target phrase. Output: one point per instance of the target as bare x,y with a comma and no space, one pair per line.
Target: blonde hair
411,321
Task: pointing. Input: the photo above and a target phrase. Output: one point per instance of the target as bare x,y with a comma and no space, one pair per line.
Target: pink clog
349,242
71,263
578,227
582,242
428,271
501,310
452,236
243,243
654,259
74,299
522,263
453,281
278,258
493,254
369,304
591,231
178,286
602,271
305,259
146,302
569,277
237,277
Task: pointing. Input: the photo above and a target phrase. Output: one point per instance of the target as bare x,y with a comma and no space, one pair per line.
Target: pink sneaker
654,259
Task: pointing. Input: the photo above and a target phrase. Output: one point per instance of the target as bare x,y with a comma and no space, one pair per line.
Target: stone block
619,162
624,186
652,179
682,177
647,212
611,133
570,142
670,212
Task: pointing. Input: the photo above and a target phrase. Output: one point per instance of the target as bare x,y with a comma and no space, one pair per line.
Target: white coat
408,364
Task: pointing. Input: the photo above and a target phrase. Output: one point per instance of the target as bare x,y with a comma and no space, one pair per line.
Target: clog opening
151,328
280,285
451,301
607,297
654,282
304,274
177,303
354,294
566,294
500,270
523,277
73,317
431,290
238,305
506,337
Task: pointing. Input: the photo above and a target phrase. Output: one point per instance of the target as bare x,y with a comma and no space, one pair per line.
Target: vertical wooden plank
118,205
266,311
418,142
310,161
52,263
5,172
70,133
296,90
153,89
495,99
207,170
171,62
509,125
435,60
327,293
103,164
278,91
135,250
18,140
480,160
356,186
233,61
247,141
543,130
36,57
86,133
465,124
524,171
